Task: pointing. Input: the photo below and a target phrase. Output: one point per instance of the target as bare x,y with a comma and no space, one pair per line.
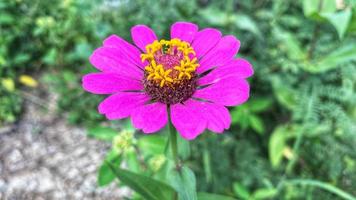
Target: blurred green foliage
300,122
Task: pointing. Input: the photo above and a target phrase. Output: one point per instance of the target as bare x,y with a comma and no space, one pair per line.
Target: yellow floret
163,76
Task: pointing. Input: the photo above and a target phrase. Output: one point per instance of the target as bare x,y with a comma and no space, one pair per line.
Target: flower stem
173,140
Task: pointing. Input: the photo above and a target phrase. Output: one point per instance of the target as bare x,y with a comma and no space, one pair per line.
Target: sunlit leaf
315,8
340,20
277,143
266,193
8,84
241,191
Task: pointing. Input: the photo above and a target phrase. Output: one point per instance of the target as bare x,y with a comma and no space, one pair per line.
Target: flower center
170,74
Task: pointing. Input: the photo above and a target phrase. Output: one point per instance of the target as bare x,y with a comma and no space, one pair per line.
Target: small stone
2,186
15,156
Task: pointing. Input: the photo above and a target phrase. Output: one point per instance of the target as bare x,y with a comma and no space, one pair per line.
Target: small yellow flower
45,22
156,162
28,81
124,141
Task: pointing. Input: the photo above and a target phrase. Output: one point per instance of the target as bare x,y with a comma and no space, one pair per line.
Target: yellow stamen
164,76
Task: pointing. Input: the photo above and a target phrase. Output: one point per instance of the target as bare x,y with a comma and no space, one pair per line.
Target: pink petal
222,53
142,35
217,116
108,83
240,68
184,31
122,104
188,118
109,59
205,40
150,117
125,48
229,91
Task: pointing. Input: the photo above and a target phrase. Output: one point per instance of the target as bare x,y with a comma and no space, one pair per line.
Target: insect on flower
193,77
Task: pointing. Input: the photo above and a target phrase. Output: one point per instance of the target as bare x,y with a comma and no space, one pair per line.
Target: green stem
173,139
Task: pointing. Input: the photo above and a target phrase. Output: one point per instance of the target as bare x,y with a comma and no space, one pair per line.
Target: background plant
299,125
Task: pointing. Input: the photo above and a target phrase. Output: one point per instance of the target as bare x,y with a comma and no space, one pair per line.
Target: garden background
294,139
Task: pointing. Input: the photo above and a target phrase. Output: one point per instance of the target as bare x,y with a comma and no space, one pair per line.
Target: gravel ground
42,157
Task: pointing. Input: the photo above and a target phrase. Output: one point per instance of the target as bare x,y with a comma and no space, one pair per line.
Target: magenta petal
150,118
184,31
222,53
217,116
240,68
142,35
188,118
125,48
122,104
108,59
108,83
205,40
229,91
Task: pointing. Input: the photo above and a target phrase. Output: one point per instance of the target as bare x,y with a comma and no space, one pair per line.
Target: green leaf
244,22
102,133
21,58
105,174
214,16
207,196
265,193
333,60
352,25
285,95
184,148
290,44
184,182
241,191
340,20
240,115
148,188
50,57
132,161
257,124
276,145
152,144
6,18
314,9
259,105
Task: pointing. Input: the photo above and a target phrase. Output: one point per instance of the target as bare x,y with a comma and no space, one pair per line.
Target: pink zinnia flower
194,76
